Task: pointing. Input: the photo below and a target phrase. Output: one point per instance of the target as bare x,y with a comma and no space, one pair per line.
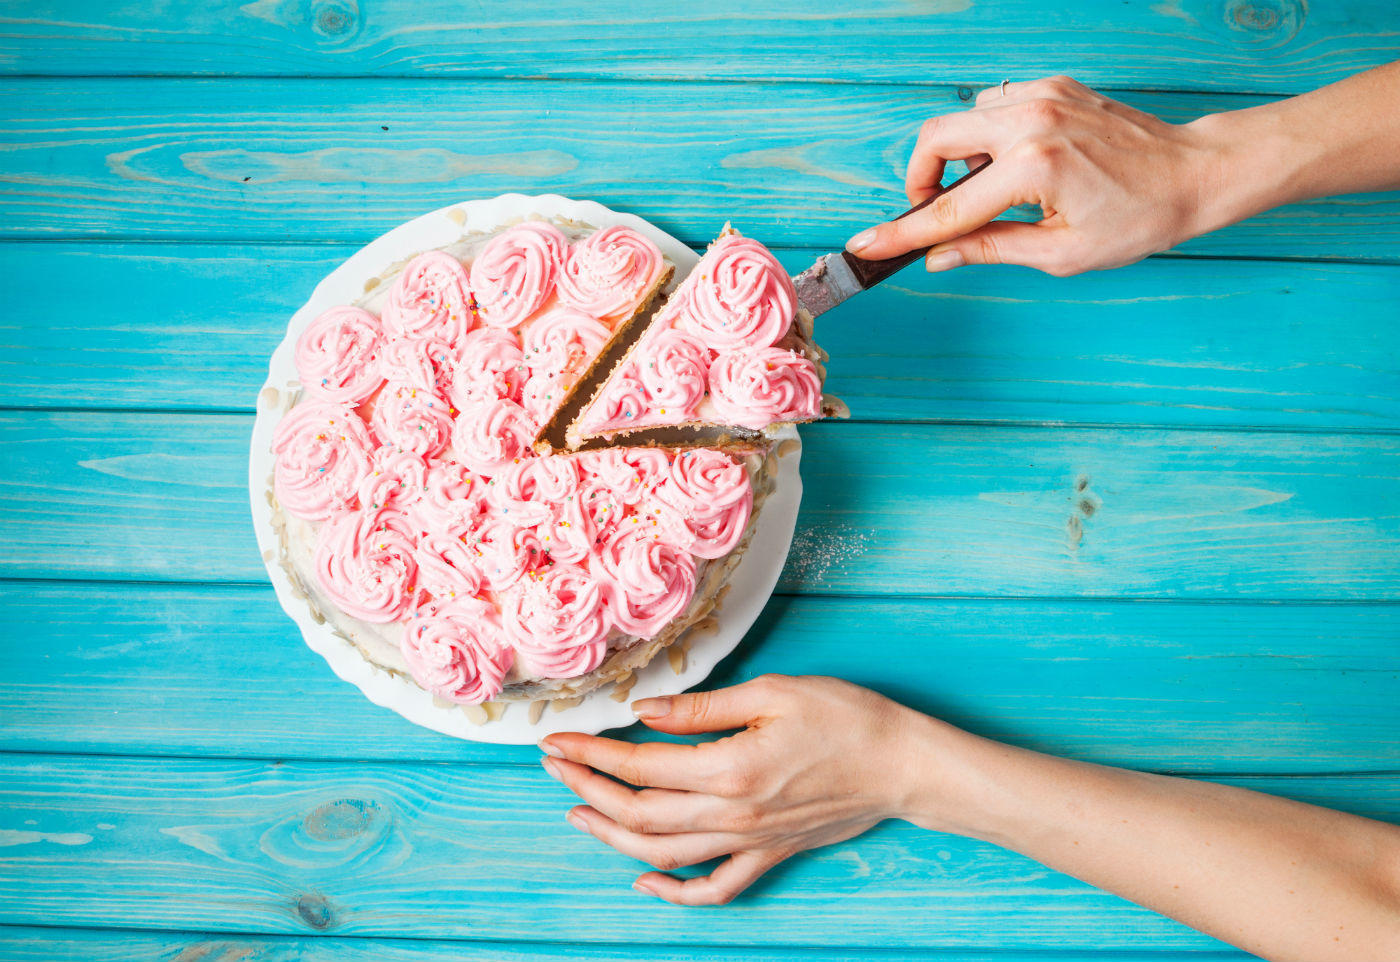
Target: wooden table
1148,517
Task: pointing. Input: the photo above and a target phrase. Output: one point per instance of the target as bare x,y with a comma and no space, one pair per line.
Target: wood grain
887,509
29,944
483,852
1205,688
1254,45
279,160
1167,342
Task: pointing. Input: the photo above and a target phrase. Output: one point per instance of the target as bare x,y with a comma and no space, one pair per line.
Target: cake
415,514
732,348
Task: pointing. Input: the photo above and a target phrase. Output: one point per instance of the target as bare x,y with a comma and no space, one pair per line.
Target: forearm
1339,139
1273,876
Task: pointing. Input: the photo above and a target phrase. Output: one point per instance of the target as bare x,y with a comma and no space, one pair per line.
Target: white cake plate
751,583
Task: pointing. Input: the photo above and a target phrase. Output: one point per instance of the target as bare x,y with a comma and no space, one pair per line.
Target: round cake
411,507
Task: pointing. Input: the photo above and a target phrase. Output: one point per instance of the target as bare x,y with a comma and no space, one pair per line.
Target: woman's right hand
1115,184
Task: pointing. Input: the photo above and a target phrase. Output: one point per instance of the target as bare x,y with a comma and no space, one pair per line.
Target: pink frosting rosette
337,356
651,581
623,407
558,347
448,566
673,367
322,453
431,298
628,473
397,478
568,534
425,362
738,296
505,551
756,386
412,418
458,653
711,493
557,620
490,366
514,275
452,498
489,436
365,564
606,273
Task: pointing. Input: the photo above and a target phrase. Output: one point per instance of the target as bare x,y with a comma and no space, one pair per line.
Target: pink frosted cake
418,520
731,348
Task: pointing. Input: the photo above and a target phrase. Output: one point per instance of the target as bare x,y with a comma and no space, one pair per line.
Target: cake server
835,277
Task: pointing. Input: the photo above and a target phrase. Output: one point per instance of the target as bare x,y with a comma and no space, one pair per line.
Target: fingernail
651,707
645,889
576,820
945,260
861,241
549,749
550,766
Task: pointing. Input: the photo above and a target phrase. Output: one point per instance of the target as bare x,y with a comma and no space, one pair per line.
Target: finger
723,709
952,137
952,214
720,887
665,852
651,811
1058,87
1007,242
655,764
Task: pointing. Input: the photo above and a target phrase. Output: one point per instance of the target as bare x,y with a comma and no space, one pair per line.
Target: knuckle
989,250
929,128
632,817
665,860
629,768
1040,155
1061,83
1044,112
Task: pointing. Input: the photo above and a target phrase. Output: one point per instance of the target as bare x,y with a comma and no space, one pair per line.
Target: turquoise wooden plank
285,160
1166,342
1205,688
1274,47
902,509
483,852
29,944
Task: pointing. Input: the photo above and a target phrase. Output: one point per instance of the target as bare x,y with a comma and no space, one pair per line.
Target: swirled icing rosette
710,493
425,362
753,387
651,581
514,275
364,563
558,347
458,653
337,356
739,296
505,551
431,298
627,473
607,273
397,479
322,453
452,498
412,418
557,620
489,436
447,565
622,405
569,533
673,368
491,366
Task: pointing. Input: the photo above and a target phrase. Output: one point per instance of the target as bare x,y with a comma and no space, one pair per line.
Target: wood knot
335,19
315,911
1268,22
341,819
965,94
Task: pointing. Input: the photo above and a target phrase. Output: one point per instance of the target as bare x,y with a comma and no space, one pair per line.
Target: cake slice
730,349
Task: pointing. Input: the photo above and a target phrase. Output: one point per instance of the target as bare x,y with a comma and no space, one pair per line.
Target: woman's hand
817,761
1114,184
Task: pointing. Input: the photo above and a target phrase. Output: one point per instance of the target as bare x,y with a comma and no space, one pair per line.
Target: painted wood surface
1242,45
1176,687
26,944
893,509
278,160
1166,342
484,852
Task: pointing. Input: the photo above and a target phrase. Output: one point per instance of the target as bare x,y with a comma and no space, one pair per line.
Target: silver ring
1003,87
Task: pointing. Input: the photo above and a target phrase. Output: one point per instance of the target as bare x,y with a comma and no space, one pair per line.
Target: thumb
1039,246
695,712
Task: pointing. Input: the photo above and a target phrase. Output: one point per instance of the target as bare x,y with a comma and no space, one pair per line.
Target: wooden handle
870,273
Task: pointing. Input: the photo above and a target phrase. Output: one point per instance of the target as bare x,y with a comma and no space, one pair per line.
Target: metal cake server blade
834,278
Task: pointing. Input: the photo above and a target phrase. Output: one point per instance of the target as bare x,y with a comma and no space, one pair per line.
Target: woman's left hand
817,761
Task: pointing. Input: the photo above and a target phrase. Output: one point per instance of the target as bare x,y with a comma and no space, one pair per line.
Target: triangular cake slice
731,348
